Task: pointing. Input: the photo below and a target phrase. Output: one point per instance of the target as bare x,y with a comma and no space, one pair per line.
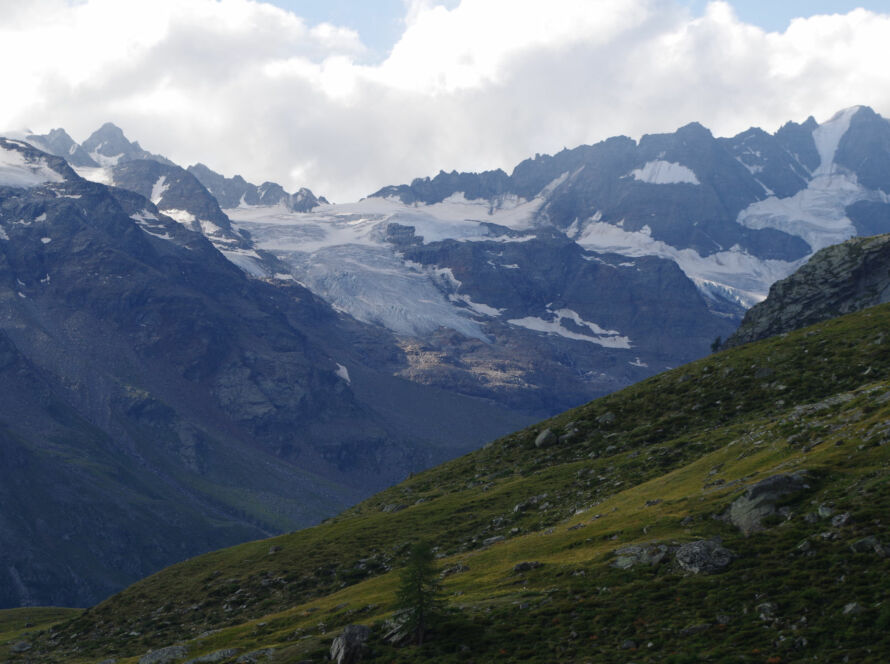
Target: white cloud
248,88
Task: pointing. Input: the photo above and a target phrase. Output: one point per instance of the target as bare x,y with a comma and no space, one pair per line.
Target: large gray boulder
704,556
748,510
546,438
349,647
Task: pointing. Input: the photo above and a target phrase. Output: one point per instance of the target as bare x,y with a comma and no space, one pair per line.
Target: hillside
598,542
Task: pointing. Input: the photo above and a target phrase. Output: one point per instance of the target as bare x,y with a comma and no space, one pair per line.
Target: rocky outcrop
704,557
698,557
349,647
166,655
838,280
759,501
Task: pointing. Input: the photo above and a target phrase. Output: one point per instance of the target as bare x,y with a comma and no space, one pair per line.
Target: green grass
657,462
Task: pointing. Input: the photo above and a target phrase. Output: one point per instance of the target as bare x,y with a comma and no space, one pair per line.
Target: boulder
759,501
868,544
704,556
166,655
216,656
853,608
546,438
526,566
646,554
349,647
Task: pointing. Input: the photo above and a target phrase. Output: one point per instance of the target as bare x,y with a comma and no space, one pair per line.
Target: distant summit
108,146
237,192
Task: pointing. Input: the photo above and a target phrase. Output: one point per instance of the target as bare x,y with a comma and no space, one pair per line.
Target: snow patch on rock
343,373
664,172
599,335
158,189
746,277
18,170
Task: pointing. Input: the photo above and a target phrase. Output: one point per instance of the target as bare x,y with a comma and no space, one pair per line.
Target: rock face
759,501
179,194
349,647
837,280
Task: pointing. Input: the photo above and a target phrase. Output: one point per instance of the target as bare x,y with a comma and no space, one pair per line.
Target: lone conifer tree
419,595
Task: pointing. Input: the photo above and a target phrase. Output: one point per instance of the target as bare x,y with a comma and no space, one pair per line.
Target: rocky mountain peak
59,143
109,146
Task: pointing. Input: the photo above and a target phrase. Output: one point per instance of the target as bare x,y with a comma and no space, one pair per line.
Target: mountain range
732,509
221,361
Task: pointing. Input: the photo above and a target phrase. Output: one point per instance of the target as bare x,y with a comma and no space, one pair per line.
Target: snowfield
16,170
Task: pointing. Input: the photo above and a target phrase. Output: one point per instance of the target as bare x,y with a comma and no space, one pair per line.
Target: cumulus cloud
249,88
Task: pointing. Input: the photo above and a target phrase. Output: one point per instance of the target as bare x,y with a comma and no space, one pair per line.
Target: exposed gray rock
837,280
394,631
606,418
546,438
255,656
647,554
349,647
868,544
759,501
704,556
20,646
454,569
528,504
217,656
853,609
767,610
493,540
393,507
166,655
526,566
840,520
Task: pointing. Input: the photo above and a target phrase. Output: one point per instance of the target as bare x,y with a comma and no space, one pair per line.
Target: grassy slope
692,438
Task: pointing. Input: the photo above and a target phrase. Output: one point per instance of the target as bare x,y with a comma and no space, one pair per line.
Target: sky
347,96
